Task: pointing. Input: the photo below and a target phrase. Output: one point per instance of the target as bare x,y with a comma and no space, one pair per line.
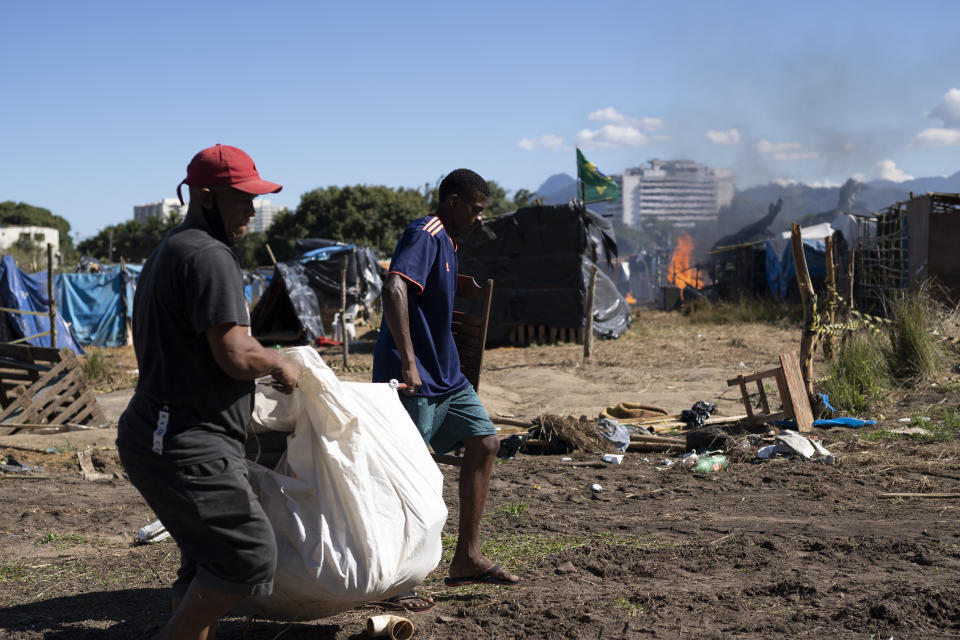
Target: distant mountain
948,184
559,188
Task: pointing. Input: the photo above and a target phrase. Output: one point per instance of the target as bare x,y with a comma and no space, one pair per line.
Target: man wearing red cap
181,438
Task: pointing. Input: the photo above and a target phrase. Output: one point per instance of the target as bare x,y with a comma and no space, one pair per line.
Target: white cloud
849,146
888,170
785,150
612,116
785,182
859,177
612,135
948,109
931,138
826,183
728,137
546,141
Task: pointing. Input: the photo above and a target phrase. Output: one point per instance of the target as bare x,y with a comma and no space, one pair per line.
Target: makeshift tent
304,293
540,259
97,304
19,290
780,267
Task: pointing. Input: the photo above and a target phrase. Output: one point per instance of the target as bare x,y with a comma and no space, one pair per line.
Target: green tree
21,213
368,215
131,240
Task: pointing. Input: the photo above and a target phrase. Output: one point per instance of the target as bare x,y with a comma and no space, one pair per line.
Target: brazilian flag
596,186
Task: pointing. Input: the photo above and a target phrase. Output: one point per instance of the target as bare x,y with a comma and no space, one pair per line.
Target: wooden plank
460,317
541,334
90,410
797,391
746,396
763,397
466,330
56,395
940,496
753,377
553,335
84,400
30,353
35,388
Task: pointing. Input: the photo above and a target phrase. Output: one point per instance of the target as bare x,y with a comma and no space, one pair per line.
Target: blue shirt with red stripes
426,257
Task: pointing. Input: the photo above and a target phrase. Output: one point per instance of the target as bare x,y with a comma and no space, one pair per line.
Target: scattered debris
697,415
612,458
153,532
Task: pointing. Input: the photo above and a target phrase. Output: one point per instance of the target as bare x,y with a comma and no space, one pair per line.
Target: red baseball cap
223,165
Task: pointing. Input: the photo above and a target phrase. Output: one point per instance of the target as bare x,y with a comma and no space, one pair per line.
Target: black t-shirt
185,406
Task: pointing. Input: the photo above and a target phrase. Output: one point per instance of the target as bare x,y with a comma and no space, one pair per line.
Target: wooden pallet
44,388
793,395
527,334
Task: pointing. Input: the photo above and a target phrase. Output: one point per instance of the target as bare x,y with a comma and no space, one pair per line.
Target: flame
681,273
630,299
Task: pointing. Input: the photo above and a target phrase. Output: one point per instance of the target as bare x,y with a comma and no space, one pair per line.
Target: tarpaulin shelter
779,253
540,259
28,292
97,305
304,292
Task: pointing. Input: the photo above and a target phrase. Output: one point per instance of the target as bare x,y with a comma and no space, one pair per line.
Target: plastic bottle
711,464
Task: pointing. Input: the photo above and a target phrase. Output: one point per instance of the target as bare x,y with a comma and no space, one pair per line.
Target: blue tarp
93,304
780,269
19,290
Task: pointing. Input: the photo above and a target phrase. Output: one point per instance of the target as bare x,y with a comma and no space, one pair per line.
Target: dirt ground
779,548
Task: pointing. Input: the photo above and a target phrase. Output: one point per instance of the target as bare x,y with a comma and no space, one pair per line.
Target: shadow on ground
134,613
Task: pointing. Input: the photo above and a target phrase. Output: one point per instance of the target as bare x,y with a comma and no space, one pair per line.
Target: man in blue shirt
416,346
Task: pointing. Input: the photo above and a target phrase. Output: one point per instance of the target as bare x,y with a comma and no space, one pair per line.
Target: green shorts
444,421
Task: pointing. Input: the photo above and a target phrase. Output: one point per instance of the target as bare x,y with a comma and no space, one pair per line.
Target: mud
779,548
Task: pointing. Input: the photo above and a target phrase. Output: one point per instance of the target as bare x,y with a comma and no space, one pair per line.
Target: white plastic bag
356,502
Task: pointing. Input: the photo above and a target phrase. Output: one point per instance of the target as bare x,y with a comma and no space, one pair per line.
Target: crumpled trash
612,458
616,433
510,446
695,416
790,443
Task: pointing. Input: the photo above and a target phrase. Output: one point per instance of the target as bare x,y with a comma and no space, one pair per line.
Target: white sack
356,502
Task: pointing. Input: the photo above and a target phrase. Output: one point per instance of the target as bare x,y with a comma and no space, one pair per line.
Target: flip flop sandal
490,576
396,603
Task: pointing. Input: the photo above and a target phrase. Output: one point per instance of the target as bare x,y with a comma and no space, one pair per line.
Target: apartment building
680,191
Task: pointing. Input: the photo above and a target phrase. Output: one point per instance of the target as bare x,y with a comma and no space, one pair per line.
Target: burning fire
681,272
630,299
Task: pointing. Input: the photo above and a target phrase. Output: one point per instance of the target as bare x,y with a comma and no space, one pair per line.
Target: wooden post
851,270
344,340
809,299
53,301
831,284
588,333
273,258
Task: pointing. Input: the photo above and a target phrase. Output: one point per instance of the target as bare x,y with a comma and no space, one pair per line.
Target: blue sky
104,103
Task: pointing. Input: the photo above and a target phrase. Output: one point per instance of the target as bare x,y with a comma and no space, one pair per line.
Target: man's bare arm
241,357
398,321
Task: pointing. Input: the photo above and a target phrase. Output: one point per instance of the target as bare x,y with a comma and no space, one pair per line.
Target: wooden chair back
470,329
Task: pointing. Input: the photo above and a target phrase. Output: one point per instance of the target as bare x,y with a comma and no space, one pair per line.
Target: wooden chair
470,329
470,333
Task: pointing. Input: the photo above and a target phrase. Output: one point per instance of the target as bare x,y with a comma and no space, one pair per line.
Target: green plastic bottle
711,464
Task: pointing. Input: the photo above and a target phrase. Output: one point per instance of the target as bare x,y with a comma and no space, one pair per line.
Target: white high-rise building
163,209
265,214
680,191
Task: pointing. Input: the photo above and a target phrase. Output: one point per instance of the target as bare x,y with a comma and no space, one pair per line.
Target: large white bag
356,502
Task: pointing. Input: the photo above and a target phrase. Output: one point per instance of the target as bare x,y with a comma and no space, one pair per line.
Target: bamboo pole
831,284
809,299
588,338
53,301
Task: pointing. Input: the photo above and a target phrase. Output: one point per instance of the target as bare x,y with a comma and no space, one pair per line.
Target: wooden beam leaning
809,298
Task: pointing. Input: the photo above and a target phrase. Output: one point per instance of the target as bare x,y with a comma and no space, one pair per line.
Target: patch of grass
95,366
859,375
943,428
514,509
915,354
66,447
633,609
10,573
60,539
744,310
